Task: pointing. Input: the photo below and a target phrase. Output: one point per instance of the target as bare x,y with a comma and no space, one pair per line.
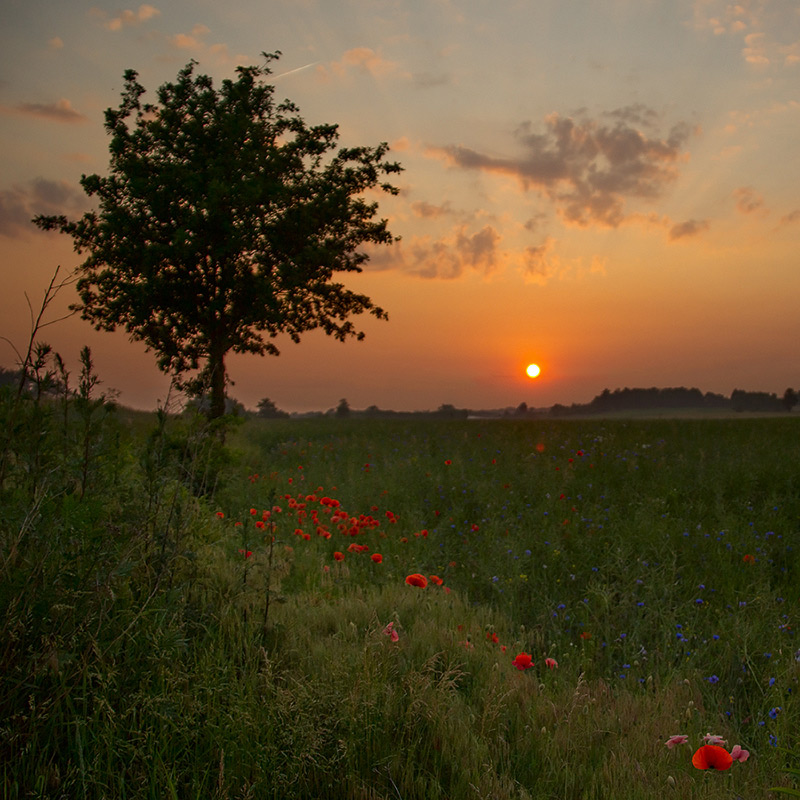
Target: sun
533,370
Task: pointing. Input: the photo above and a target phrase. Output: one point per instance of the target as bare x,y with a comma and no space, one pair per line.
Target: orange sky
611,194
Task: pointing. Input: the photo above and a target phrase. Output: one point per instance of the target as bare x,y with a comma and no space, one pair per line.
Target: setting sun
533,370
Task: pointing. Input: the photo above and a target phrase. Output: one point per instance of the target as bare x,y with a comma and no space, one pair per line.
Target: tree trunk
216,366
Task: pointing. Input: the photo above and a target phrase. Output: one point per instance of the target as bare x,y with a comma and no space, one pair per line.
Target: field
191,620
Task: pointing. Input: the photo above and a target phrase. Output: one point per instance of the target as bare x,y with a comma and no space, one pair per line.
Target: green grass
137,661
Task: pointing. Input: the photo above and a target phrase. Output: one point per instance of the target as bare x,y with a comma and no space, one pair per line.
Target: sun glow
533,370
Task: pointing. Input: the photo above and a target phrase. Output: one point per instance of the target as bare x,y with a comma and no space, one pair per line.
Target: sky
607,188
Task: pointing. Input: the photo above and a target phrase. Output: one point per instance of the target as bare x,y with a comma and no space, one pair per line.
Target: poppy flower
551,662
391,632
435,579
738,754
246,553
338,556
417,580
492,637
220,515
710,756
680,738
712,738
523,661
377,558
749,559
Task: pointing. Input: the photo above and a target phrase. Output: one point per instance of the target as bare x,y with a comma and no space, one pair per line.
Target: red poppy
417,580
435,579
586,635
749,559
711,756
220,515
377,558
492,637
338,556
246,553
523,661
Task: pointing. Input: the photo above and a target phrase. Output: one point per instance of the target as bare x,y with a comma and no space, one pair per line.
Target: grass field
236,622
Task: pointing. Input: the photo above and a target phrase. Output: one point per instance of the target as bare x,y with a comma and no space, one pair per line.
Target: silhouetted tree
268,409
343,409
789,399
223,221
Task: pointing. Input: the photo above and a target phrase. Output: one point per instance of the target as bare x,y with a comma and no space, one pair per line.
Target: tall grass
183,629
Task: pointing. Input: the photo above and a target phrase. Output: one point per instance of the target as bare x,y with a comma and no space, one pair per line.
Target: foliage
222,223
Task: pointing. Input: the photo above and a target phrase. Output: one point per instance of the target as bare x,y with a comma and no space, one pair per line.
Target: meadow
183,618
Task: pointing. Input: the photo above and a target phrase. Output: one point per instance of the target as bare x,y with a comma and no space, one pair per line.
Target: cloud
19,204
60,111
587,168
130,18
56,43
426,210
684,230
447,257
194,40
769,29
749,201
185,41
363,60
791,218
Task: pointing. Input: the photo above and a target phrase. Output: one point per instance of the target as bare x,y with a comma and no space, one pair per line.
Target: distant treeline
678,398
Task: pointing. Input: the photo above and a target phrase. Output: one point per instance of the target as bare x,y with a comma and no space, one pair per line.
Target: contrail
292,71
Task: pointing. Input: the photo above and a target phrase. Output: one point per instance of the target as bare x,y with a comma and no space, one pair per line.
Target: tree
268,409
790,399
221,224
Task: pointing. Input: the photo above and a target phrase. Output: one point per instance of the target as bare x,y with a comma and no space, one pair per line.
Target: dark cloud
427,210
61,111
19,204
447,257
589,169
689,228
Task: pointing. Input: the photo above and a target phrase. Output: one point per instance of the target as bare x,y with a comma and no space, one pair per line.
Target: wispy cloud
688,229
60,111
362,60
195,42
769,29
19,204
129,18
749,201
589,169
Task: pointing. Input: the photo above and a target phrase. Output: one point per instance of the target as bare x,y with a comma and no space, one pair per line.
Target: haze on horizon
604,188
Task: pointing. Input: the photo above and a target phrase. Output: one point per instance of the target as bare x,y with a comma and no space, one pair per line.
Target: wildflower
738,754
338,556
246,553
712,738
586,635
220,515
448,462
712,679
749,559
492,637
773,712
435,579
253,512
416,579
523,661
710,756
377,558
679,738
551,663
391,632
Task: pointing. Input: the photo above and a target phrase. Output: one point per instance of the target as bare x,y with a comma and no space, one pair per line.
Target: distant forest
607,402
678,398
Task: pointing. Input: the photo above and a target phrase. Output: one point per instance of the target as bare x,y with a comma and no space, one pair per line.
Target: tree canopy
222,223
